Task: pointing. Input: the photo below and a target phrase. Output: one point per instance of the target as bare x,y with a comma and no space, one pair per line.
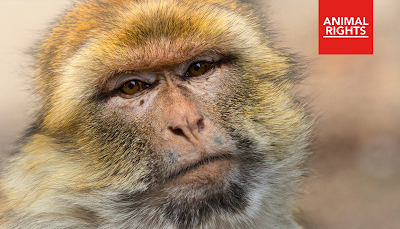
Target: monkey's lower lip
206,161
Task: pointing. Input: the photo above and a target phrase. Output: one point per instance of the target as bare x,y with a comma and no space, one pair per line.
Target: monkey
173,114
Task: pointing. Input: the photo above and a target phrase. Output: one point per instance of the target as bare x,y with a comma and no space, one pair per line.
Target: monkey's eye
198,68
133,86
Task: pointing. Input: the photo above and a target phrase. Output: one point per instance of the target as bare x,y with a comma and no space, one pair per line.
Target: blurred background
354,176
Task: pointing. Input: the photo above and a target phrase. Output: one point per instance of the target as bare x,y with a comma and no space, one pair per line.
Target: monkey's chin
206,178
196,194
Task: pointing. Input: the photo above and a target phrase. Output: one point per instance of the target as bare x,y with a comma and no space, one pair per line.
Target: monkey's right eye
198,68
133,86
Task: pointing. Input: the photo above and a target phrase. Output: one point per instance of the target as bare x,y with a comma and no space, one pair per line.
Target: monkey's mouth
222,159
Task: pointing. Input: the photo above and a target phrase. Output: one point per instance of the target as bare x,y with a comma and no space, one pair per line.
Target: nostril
200,125
177,131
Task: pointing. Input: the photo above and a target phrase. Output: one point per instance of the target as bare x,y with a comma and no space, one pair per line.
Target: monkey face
176,107
196,164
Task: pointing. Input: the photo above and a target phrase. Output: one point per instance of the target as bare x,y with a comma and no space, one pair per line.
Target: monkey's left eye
133,86
198,68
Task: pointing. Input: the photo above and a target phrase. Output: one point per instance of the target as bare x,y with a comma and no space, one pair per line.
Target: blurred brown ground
354,179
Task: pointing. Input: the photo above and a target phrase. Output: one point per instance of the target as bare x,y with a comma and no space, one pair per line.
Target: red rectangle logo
345,26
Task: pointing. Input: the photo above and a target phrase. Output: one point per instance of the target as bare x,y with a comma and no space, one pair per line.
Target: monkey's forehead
149,33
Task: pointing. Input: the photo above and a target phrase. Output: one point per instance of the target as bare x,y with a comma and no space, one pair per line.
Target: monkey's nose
189,127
